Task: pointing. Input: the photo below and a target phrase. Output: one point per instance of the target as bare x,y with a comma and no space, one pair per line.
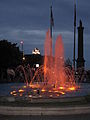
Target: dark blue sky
28,20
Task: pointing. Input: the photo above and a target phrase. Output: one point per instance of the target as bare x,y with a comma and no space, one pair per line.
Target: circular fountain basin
21,90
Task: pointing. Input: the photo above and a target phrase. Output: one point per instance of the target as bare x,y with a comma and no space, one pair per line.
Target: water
5,89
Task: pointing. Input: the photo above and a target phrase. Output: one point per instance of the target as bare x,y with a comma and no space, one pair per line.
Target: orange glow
35,90
49,91
24,86
61,88
57,95
51,95
63,93
34,85
20,90
56,91
20,95
72,88
44,69
13,92
43,90
54,88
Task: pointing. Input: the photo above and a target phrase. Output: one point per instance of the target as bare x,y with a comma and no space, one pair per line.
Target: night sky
28,20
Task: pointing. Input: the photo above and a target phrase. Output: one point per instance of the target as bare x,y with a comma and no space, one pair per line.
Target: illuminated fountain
52,79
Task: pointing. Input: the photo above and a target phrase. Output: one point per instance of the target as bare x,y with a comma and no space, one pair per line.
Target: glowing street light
22,44
37,65
23,58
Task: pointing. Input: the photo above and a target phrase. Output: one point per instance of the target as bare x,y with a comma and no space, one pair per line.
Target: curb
5,110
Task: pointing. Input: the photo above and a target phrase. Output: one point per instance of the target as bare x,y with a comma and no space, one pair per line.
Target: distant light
23,58
49,91
43,90
22,42
63,93
35,90
21,95
51,95
57,95
24,86
14,94
76,72
61,87
40,96
20,90
30,96
37,65
36,51
56,91
72,88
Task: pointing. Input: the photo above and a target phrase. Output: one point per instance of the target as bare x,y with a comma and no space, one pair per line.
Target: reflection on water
5,89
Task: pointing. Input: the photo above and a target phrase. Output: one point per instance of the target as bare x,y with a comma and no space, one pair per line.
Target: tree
68,63
10,56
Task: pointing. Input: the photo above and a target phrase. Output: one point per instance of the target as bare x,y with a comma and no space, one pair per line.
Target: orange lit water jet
56,75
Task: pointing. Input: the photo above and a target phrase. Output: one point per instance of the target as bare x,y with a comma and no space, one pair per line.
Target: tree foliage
68,63
9,54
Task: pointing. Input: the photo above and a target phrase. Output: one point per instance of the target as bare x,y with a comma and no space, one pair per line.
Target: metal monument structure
74,49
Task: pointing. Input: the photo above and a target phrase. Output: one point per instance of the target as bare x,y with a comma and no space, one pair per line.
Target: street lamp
23,57
22,45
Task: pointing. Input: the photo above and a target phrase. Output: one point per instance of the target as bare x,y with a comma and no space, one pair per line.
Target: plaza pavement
7,110
63,117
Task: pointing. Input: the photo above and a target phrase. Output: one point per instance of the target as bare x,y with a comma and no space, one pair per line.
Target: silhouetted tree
68,63
10,56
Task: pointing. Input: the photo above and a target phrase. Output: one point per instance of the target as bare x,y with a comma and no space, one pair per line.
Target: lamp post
23,57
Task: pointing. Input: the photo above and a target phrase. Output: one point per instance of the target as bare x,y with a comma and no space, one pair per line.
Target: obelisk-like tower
74,49
80,59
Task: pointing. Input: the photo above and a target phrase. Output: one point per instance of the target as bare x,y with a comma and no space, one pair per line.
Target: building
36,51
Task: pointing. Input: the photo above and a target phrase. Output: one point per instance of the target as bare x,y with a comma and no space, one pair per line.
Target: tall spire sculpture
74,48
51,21
51,26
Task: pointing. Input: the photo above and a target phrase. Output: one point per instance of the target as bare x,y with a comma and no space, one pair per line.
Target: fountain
52,79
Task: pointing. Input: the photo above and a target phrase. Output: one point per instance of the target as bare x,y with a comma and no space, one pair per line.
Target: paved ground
67,117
